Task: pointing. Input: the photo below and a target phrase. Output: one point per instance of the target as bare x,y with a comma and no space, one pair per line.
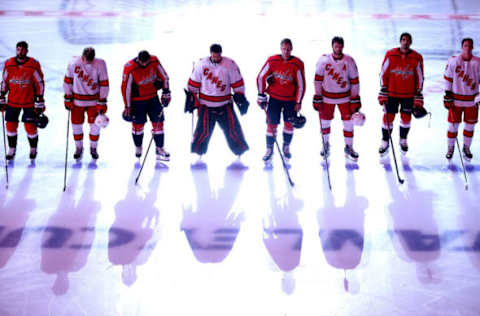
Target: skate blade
467,159
351,158
163,158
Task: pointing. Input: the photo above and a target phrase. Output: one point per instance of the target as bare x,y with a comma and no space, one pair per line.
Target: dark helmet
128,116
419,112
41,121
298,121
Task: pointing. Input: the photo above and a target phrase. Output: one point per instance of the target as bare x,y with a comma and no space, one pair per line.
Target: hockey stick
391,144
285,167
66,154
461,159
325,156
5,147
146,154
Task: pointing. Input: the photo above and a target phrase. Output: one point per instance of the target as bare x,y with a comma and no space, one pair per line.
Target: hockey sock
33,141
287,138
348,132
404,131
452,133
270,141
159,140
385,135
12,141
468,134
326,130
138,139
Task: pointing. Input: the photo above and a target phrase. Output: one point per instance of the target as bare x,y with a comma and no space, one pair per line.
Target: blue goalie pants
228,121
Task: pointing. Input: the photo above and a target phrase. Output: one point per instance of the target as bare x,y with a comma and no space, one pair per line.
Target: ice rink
225,238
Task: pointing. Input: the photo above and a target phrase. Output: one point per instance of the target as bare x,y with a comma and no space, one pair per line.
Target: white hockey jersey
336,79
86,82
462,78
214,81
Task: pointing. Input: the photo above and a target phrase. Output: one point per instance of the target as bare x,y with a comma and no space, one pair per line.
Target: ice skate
267,158
162,155
138,151
33,153
325,151
450,151
350,153
77,155
94,153
467,154
286,151
403,146
11,153
383,150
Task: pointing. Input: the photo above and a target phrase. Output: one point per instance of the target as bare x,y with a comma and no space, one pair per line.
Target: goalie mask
41,121
102,120
358,118
297,121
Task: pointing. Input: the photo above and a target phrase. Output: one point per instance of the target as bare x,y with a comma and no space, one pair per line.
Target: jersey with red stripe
462,78
22,82
86,83
402,74
336,79
285,78
214,81
140,83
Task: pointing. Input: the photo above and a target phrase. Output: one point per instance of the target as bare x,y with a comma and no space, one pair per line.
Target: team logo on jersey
342,82
283,77
85,77
465,77
404,73
214,79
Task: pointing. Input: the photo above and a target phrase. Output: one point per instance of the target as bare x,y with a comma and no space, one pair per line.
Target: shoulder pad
154,59
274,58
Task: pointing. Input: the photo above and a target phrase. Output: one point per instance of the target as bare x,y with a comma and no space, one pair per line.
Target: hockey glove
68,101
418,100
262,101
355,104
190,101
383,96
241,102
102,108
297,107
166,97
318,102
39,105
448,100
3,102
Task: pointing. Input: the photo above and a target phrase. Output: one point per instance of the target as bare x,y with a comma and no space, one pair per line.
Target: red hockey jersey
402,74
22,81
138,82
286,78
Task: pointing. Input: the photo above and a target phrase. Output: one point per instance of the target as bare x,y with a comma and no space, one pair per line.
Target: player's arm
4,88
300,87
68,87
238,87
39,85
384,77
103,87
448,76
418,98
354,80
317,83
262,76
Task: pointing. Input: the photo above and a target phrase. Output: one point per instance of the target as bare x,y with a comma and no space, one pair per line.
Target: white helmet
102,120
358,118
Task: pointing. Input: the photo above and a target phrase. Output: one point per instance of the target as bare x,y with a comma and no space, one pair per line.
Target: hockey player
86,90
462,77
212,80
23,81
142,77
282,77
337,83
401,82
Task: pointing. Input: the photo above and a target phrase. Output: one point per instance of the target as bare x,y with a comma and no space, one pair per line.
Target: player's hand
262,101
418,100
318,102
383,96
448,100
166,97
39,105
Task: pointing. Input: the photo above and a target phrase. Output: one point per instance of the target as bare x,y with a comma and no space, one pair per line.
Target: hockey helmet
298,121
358,118
419,112
127,115
41,120
102,120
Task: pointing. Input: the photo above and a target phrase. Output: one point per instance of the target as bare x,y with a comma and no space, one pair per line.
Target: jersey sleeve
127,81
162,74
68,82
353,78
384,72
300,83
194,82
419,74
448,75
4,86
319,76
103,82
39,83
262,77
236,79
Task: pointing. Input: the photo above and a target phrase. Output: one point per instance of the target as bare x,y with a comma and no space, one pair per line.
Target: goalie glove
190,101
241,102
418,100
383,96
166,97
39,105
318,102
448,100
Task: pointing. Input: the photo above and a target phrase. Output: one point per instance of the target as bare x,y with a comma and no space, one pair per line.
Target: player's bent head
337,39
408,35
286,41
143,56
22,44
216,48
88,54
467,39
